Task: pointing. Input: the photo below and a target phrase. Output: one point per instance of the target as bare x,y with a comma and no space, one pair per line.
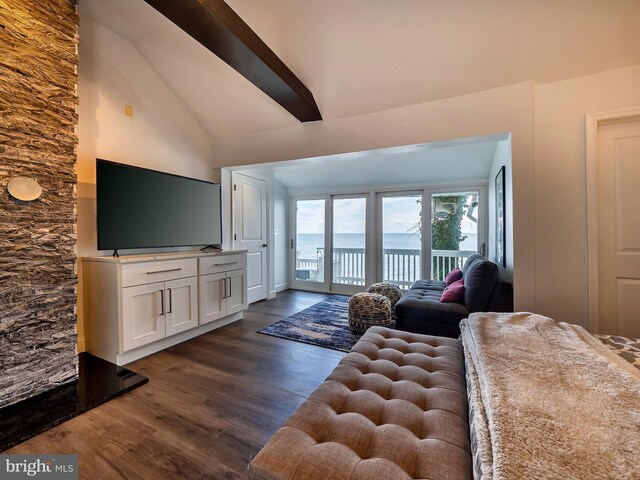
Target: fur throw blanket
549,401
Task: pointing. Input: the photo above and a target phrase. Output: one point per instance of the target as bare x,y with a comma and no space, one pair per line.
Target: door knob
265,245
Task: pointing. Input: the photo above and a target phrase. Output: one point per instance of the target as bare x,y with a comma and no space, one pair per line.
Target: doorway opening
333,225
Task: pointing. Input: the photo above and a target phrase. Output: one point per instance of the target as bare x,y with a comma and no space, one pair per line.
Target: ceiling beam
219,29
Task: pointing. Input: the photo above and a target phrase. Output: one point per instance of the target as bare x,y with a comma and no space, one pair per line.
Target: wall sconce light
25,189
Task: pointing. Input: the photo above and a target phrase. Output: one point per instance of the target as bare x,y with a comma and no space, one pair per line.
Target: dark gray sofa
420,310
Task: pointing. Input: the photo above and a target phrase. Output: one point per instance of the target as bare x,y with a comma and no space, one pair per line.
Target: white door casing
250,231
618,217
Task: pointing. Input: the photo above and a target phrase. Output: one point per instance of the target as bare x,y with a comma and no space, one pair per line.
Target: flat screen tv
142,208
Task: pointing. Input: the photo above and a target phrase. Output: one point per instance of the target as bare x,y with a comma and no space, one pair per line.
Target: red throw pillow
453,276
454,293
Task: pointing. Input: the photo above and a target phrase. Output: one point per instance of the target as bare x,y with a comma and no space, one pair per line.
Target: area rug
324,324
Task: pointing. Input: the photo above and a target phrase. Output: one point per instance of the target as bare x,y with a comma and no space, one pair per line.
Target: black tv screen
141,208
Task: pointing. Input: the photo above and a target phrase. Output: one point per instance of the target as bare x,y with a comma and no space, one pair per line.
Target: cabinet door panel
212,301
142,318
181,305
237,298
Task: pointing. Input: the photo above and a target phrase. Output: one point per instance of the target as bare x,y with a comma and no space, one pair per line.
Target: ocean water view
308,243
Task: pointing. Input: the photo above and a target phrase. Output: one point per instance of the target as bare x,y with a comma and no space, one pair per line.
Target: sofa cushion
395,407
420,310
470,261
429,285
454,293
453,276
502,298
479,280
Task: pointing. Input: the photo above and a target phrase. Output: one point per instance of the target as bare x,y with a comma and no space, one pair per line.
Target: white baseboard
282,287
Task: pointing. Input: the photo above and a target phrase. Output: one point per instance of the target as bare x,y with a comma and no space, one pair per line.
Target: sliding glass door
329,243
349,246
343,243
401,237
309,242
457,230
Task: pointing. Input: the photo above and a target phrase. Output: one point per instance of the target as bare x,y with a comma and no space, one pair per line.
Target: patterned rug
324,324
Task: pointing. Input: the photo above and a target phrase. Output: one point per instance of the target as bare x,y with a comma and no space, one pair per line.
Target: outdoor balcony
400,266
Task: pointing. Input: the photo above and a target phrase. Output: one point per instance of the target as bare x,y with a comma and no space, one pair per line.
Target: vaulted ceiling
361,56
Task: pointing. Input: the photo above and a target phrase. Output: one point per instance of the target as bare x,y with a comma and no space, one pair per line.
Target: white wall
162,134
560,173
548,174
506,109
502,158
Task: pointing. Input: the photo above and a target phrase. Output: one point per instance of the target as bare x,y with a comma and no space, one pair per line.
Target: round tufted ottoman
389,290
368,310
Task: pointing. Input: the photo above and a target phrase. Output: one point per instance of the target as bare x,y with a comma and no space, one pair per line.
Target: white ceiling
222,100
441,163
360,56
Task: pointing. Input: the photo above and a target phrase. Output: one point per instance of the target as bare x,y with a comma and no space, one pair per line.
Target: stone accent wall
38,99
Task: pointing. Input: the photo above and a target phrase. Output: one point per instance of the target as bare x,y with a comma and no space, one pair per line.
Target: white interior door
618,171
250,231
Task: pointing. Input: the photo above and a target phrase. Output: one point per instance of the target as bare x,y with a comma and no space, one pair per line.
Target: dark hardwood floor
210,405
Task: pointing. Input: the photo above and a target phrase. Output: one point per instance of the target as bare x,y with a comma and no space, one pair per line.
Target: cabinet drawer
222,263
149,272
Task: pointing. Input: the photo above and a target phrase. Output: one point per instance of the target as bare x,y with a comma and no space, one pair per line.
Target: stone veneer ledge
38,115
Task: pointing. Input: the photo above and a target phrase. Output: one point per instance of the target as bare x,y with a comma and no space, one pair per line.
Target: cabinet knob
264,245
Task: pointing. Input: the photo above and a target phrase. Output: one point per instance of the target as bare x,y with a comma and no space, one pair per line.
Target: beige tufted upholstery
394,408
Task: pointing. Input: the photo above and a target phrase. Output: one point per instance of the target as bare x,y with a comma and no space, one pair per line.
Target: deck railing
348,266
443,261
400,266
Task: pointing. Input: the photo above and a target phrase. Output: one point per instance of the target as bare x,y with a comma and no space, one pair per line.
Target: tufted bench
395,407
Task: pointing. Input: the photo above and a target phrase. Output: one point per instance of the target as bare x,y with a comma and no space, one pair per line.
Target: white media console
136,305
